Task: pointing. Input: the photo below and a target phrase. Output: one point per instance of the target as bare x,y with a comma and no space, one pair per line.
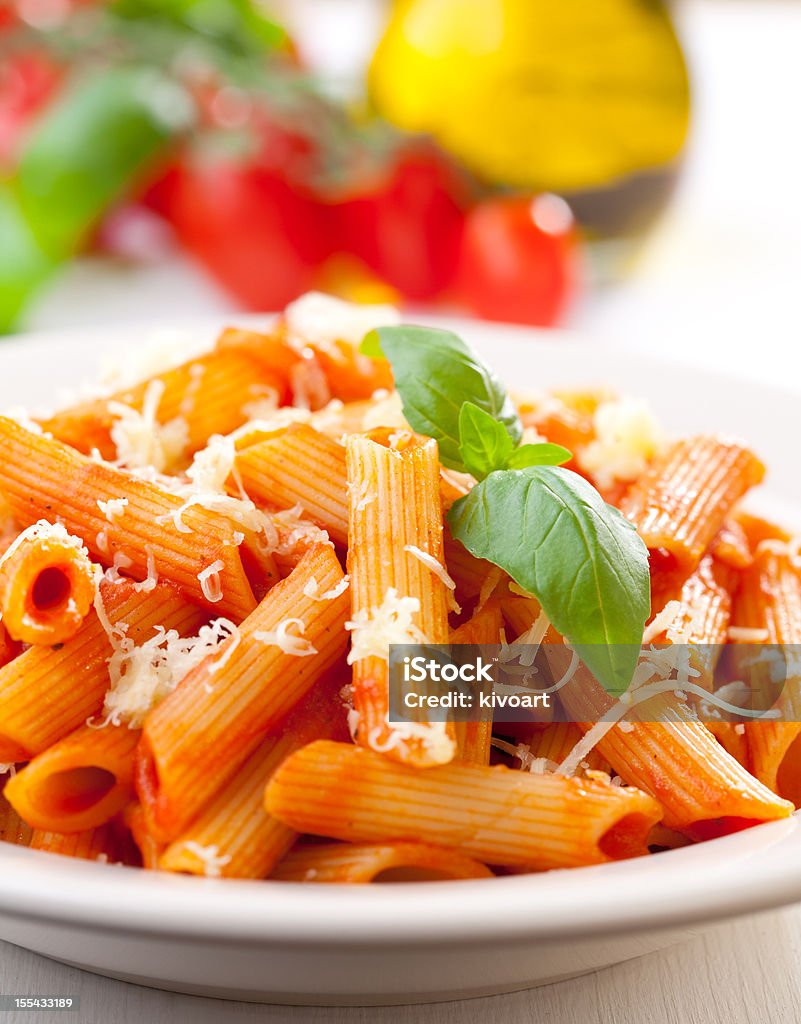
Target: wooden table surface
749,971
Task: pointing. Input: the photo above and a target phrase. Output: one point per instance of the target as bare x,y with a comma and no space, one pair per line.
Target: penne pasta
12,828
47,692
199,737
769,603
539,821
473,737
149,849
205,396
141,535
79,783
702,789
234,837
299,467
683,499
396,567
362,863
47,585
101,844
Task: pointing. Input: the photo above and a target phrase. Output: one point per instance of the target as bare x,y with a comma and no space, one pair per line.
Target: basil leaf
538,455
485,444
435,374
24,267
557,538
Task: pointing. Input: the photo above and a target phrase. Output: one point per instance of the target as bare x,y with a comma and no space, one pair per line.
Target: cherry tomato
258,235
407,227
519,260
27,82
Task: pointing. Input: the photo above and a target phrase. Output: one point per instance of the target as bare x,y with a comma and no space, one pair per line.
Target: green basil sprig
543,524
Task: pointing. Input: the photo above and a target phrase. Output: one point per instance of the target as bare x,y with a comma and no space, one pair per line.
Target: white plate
315,944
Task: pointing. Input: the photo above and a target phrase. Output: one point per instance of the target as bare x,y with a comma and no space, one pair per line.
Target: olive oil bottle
586,98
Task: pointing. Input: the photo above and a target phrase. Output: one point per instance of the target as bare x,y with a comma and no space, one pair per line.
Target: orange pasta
360,863
208,395
683,499
12,828
473,737
80,782
37,474
539,821
195,742
150,850
9,648
100,844
234,837
48,692
396,566
299,466
702,789
703,604
47,585
769,603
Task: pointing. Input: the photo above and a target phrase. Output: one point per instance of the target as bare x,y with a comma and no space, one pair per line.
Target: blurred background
628,168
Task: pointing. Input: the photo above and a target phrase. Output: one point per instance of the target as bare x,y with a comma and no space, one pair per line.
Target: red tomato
408,227
519,260
260,237
27,81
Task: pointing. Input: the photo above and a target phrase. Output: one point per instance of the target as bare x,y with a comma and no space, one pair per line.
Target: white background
717,284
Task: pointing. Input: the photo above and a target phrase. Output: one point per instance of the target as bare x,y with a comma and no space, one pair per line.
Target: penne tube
468,572
299,466
362,863
9,649
757,529
47,585
731,546
396,567
538,821
769,603
732,737
348,373
101,844
47,692
473,738
208,395
12,828
702,789
198,738
680,503
234,837
556,741
79,783
150,850
702,603
128,521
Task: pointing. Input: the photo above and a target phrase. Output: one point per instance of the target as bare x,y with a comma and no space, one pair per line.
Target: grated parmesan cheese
322,320
662,621
209,857
141,441
210,582
44,530
391,622
112,509
386,411
143,675
439,571
627,437
312,589
295,645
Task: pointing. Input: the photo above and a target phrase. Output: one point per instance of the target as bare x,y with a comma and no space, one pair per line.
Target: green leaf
435,374
23,265
538,455
242,24
88,148
557,538
485,444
